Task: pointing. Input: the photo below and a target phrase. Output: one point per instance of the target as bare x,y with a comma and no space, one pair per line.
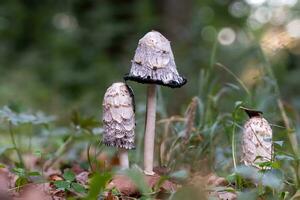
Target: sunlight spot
238,9
279,16
226,36
65,22
255,2
293,28
253,23
278,3
262,14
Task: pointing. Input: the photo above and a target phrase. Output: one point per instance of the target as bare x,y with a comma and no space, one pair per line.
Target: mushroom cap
119,117
257,141
154,62
252,112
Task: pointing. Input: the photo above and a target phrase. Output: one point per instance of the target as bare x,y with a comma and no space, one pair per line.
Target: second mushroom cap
118,116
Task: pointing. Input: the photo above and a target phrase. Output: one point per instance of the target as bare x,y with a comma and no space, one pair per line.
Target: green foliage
69,183
23,118
98,184
24,176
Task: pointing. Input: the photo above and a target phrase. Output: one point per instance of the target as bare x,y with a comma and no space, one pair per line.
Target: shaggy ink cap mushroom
154,63
256,140
119,117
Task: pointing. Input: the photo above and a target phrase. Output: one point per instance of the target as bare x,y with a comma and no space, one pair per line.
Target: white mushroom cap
154,62
119,117
257,139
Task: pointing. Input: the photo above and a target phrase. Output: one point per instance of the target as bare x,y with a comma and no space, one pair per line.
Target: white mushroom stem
123,158
150,130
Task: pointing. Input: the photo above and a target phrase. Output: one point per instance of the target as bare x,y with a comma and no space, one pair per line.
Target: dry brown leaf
83,178
127,187
215,180
35,192
166,185
123,184
4,180
211,181
31,162
224,195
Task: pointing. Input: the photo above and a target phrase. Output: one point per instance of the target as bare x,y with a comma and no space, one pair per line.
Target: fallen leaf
35,192
83,178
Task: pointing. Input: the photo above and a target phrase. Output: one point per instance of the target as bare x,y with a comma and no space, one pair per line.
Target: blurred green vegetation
62,55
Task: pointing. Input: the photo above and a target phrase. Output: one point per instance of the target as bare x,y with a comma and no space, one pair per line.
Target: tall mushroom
154,64
257,139
119,120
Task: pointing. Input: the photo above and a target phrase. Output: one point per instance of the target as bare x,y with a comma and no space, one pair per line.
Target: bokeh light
293,28
226,36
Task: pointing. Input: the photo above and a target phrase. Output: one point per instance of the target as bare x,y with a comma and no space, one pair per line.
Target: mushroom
257,139
154,64
119,120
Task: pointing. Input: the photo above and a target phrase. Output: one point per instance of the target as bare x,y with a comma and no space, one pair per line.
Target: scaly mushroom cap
154,62
257,141
118,116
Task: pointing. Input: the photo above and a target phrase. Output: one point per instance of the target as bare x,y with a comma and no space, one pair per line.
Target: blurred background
57,56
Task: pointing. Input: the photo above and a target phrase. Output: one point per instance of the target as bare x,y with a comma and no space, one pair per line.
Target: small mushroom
153,64
119,120
257,139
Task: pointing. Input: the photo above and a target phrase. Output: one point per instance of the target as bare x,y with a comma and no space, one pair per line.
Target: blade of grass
58,153
237,78
12,136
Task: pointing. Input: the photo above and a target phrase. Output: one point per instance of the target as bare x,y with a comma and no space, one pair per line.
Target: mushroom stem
150,130
123,158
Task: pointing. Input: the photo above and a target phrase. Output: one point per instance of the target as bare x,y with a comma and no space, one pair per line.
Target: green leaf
284,157
279,143
38,153
78,188
266,164
231,177
4,149
284,195
98,184
273,179
19,172
248,172
69,176
181,174
21,181
2,166
248,195
62,185
238,104
34,174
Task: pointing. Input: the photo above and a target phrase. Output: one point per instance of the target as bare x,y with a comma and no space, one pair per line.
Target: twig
89,157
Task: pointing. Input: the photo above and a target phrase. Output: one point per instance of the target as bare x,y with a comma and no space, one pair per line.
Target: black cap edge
116,146
252,112
172,84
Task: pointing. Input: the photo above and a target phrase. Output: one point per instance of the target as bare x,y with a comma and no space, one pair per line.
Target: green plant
24,176
69,183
